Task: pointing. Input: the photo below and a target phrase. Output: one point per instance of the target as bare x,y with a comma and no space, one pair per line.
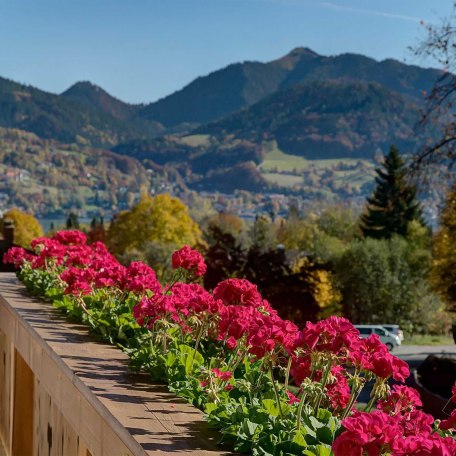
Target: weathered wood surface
85,401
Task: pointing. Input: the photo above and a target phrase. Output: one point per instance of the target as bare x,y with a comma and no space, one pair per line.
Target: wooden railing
64,394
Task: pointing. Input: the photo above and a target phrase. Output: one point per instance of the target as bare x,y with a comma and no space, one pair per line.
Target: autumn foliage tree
444,264
26,226
161,219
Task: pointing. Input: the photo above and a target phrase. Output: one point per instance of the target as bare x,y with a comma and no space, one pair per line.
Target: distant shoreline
60,222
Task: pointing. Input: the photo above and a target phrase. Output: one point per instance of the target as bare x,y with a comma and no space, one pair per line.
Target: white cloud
369,12
348,9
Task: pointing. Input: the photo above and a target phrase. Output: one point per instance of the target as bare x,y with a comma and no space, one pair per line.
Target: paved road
416,354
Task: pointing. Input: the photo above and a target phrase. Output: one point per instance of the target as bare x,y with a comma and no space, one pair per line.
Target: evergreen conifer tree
393,204
72,222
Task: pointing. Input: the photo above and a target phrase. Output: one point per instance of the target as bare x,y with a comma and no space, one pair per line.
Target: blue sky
142,50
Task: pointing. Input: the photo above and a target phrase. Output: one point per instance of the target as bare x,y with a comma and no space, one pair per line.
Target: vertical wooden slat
53,434
5,389
12,360
22,441
70,441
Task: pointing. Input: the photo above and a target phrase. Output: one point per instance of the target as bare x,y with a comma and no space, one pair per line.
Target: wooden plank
112,445
5,390
42,403
103,409
70,440
24,379
91,428
53,435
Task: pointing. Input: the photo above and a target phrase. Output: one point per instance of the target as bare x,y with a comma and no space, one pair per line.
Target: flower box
62,393
226,351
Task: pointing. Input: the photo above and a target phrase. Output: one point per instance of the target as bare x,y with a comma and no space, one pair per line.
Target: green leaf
318,450
324,415
243,446
258,415
210,407
325,435
316,424
270,406
299,438
249,427
190,358
170,359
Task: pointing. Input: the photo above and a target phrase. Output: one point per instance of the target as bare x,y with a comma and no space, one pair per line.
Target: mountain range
243,84
311,106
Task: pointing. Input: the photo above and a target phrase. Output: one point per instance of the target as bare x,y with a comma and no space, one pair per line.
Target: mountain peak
93,96
295,56
82,86
300,51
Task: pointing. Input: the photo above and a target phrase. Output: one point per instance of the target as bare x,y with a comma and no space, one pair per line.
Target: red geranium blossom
16,256
401,400
190,260
70,237
449,423
140,277
222,375
238,292
366,433
292,399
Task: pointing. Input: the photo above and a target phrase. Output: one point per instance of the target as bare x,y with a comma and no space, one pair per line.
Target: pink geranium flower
401,400
449,423
140,277
190,260
222,375
17,256
238,292
292,399
70,237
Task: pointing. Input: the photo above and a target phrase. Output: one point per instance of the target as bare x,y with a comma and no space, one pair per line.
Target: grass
284,180
196,140
427,339
327,163
354,177
277,160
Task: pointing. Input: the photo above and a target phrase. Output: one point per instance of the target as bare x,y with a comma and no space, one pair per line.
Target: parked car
389,339
396,330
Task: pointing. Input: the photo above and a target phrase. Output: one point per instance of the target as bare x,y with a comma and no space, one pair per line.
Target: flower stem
212,383
371,403
234,365
198,338
287,373
301,405
324,380
353,397
375,395
276,392
90,314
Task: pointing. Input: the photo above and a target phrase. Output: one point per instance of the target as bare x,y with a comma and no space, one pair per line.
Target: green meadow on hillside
288,170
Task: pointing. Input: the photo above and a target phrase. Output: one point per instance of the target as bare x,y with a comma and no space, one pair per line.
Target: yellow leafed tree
444,265
161,219
26,227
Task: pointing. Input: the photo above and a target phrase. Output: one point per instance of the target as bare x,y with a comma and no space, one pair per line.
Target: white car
389,339
396,330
